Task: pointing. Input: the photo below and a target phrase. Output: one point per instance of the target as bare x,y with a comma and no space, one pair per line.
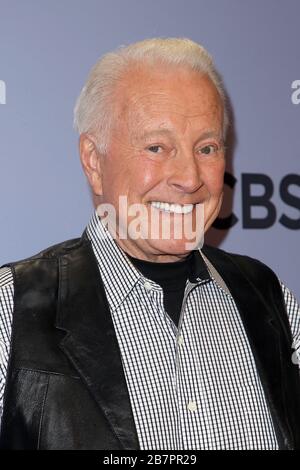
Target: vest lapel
91,344
264,335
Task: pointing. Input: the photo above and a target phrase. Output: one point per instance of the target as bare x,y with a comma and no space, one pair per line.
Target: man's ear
91,162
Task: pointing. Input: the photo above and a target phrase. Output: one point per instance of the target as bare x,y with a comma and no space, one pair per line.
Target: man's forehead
183,104
166,120
152,102
144,86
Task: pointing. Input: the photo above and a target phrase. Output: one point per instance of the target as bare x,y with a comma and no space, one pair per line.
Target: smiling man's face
166,146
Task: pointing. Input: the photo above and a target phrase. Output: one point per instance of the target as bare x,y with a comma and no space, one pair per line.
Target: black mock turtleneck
172,278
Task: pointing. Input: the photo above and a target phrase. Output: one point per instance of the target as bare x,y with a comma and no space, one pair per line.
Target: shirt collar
117,270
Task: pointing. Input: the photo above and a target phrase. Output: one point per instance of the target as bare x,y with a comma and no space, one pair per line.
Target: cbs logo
287,192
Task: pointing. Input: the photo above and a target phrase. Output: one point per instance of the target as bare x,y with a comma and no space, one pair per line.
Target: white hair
93,111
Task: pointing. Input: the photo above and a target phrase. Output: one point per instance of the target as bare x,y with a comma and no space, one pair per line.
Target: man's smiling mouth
175,208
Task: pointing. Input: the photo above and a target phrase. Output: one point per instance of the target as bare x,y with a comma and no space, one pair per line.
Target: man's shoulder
249,266
35,272
53,251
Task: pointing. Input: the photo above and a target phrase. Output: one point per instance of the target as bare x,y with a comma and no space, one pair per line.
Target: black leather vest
66,387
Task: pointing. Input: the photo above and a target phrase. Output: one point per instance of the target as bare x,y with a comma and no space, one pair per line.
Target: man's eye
154,148
209,149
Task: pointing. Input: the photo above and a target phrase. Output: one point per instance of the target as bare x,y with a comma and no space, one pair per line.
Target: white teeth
177,208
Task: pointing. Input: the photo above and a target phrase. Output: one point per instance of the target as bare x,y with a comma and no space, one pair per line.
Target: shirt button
147,285
180,340
192,406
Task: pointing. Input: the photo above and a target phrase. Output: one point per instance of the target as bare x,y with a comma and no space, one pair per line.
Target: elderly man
132,341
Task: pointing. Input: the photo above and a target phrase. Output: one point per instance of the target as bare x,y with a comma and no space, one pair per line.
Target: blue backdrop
46,51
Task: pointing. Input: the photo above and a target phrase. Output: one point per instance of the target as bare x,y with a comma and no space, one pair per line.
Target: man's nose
185,173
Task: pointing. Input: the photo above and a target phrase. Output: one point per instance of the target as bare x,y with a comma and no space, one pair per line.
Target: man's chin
174,247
